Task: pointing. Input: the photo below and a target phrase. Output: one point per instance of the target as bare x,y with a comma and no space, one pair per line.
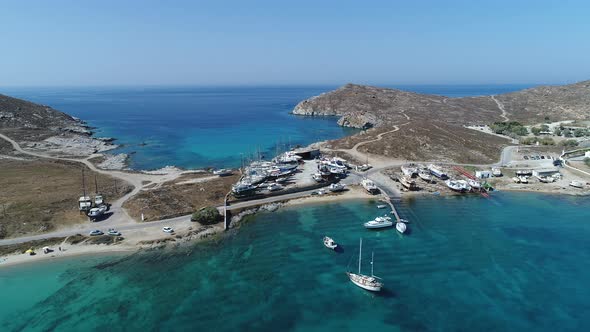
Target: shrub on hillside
569,143
206,216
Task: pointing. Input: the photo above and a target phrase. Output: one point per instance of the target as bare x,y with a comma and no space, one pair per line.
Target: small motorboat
405,221
381,206
330,243
379,222
401,227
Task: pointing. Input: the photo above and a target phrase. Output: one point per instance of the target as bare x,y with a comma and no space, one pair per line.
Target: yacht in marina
379,222
369,282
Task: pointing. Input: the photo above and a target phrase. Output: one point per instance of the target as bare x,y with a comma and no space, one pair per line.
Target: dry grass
173,199
40,196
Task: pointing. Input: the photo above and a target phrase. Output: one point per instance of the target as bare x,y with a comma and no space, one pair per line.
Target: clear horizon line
272,85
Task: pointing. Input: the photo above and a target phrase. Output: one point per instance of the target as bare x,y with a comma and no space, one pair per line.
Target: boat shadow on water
339,249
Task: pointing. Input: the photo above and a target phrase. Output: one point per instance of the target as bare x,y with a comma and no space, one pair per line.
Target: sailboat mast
360,251
95,184
83,183
372,257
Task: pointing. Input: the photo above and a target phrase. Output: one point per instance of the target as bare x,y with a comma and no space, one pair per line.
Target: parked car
167,230
113,232
526,157
96,232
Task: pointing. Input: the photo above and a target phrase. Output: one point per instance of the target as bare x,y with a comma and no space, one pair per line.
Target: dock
387,199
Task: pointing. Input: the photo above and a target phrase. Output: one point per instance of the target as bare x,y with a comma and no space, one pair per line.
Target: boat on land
223,172
379,222
577,184
85,203
474,184
318,177
330,243
274,187
546,179
458,185
282,180
369,282
408,182
523,179
97,212
336,187
401,227
369,186
437,171
243,189
98,200
409,171
425,175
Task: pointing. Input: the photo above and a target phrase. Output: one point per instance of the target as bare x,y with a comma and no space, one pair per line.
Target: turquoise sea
195,127
513,262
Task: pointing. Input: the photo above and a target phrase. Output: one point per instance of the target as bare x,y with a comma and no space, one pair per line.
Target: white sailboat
371,283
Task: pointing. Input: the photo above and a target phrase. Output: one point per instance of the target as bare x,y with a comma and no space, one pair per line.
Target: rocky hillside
432,127
565,102
40,127
365,106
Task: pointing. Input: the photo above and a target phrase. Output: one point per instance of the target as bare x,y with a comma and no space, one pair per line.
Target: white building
483,174
587,154
544,172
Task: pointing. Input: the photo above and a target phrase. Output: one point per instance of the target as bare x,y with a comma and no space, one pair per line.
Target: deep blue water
514,262
195,127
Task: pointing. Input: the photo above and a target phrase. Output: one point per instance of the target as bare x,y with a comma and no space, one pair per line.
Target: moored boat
330,243
401,227
379,222
371,283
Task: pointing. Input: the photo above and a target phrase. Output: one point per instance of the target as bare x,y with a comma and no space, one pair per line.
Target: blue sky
63,43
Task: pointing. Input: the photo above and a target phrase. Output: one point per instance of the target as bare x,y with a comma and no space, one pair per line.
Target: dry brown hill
433,126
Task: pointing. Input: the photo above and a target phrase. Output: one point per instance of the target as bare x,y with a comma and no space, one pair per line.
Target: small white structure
483,174
587,154
545,172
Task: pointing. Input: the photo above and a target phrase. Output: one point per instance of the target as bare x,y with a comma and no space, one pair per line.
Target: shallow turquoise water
510,263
